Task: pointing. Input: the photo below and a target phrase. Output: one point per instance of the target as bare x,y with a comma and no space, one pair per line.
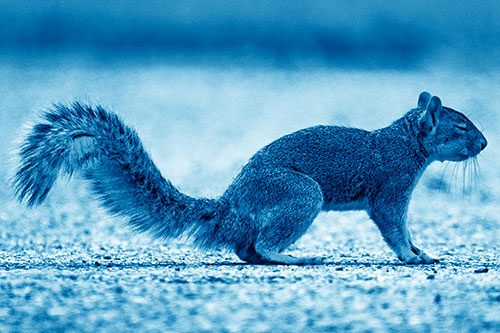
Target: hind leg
283,225
290,201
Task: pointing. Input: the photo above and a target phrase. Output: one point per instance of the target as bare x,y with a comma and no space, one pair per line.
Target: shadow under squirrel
278,193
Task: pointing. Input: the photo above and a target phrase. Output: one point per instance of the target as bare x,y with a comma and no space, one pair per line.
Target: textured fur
277,194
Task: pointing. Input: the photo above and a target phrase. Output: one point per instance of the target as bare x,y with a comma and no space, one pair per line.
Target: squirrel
276,196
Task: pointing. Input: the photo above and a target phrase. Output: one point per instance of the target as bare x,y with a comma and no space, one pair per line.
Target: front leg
390,218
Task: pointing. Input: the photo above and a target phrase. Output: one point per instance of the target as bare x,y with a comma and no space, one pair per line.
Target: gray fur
277,194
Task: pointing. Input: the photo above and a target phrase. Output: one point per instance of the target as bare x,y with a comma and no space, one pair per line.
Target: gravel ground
91,273
67,266
149,291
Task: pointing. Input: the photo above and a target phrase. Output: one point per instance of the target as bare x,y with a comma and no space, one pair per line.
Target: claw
413,261
426,259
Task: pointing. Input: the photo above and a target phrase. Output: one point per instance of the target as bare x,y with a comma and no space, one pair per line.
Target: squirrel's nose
484,143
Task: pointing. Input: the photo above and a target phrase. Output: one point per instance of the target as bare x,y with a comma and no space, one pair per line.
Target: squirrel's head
448,135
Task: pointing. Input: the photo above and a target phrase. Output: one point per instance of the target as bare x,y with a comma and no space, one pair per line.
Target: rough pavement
75,269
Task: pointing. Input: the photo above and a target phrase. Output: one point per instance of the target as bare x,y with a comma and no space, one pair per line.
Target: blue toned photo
271,166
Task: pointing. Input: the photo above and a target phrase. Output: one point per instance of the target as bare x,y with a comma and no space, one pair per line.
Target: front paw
426,259
412,260
419,260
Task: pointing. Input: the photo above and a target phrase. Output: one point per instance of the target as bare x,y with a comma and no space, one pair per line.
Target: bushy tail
120,171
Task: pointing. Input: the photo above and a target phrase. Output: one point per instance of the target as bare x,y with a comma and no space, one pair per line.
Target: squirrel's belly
343,206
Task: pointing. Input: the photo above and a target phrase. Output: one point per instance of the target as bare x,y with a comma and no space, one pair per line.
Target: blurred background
360,34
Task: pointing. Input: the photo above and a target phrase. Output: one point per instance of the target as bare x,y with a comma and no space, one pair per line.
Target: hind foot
273,258
285,259
422,258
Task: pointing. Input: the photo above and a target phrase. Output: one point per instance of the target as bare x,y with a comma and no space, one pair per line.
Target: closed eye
461,127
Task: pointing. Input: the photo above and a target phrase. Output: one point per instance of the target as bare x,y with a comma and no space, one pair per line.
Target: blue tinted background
339,33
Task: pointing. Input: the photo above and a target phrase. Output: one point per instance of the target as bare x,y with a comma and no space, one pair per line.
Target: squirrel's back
331,155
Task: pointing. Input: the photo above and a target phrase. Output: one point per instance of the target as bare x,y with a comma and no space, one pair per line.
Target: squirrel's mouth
459,157
462,157
470,151
474,151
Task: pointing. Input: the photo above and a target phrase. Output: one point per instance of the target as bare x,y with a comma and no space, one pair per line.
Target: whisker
476,161
441,182
476,171
464,178
454,176
470,175
478,168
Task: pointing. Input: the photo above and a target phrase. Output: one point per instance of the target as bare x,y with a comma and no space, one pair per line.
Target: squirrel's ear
423,100
430,119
